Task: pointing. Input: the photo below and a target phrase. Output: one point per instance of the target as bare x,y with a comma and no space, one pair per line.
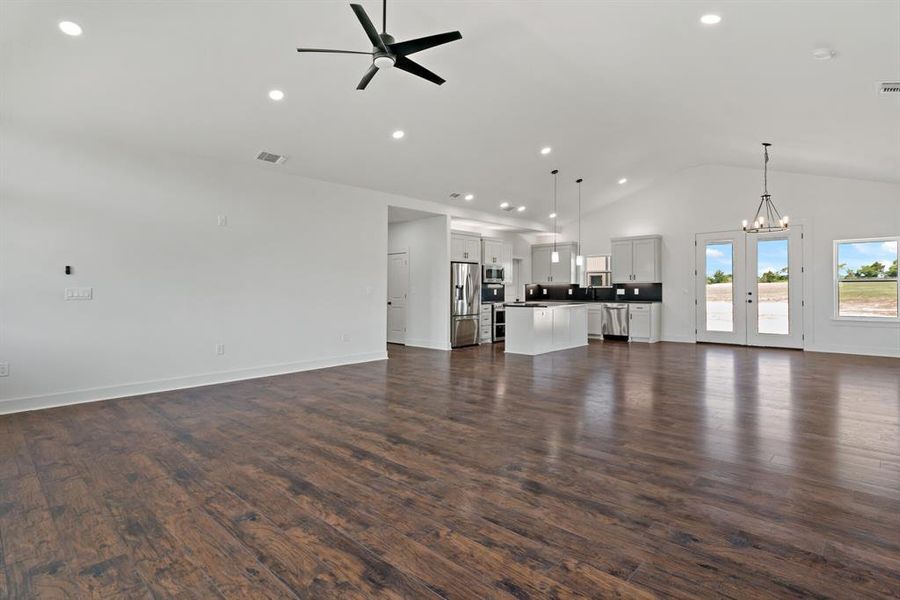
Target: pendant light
579,259
554,256
767,217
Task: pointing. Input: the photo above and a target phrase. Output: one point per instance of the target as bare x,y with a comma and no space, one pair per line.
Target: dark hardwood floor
666,470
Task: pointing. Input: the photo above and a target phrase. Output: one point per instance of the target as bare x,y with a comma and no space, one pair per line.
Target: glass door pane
772,272
720,286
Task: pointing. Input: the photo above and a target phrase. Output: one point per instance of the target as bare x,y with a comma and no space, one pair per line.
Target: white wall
428,301
300,264
716,198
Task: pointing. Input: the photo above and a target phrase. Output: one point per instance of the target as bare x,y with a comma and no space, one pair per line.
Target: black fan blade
367,25
424,43
404,64
332,51
367,77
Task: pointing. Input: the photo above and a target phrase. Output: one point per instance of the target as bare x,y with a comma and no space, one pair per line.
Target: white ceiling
635,89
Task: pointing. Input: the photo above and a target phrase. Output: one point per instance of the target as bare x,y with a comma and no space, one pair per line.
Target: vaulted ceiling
617,89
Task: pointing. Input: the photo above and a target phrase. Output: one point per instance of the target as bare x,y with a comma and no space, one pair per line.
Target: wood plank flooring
612,471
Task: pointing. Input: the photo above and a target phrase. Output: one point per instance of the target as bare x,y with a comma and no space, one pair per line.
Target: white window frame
835,282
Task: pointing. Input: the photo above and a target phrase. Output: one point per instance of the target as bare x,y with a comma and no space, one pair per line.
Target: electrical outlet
222,220
79,293
637,291
220,349
570,291
4,369
545,291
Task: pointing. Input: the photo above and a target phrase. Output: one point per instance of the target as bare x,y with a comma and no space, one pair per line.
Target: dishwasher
615,320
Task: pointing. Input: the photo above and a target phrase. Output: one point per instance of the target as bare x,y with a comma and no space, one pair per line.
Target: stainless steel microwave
491,274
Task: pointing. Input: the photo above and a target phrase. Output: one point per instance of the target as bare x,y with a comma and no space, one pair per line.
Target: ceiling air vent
455,195
275,159
889,87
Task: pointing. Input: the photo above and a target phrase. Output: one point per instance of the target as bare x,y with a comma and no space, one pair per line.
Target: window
866,284
597,271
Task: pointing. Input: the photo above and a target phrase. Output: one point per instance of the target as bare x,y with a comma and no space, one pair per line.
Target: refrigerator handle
459,292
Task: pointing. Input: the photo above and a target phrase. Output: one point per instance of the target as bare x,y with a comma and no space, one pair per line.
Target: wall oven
491,274
499,322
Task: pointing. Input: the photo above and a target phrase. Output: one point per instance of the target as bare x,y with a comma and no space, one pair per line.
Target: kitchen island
535,328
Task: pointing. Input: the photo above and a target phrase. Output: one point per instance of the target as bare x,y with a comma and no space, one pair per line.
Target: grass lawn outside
868,298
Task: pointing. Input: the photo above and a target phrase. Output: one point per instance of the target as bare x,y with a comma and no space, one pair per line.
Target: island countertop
545,327
549,304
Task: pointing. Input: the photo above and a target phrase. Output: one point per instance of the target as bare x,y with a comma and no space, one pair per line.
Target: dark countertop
558,302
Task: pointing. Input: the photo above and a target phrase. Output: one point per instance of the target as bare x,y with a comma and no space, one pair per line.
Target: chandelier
767,217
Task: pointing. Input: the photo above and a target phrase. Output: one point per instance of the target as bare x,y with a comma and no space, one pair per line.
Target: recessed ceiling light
521,208
504,205
623,181
710,19
546,150
398,134
470,197
70,28
823,54
276,95
552,215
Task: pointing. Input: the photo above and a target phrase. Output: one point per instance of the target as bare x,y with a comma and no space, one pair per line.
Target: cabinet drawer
639,308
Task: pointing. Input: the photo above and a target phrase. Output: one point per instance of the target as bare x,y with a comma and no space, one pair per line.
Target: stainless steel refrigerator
465,282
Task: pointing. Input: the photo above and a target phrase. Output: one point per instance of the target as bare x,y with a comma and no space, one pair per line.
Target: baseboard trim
25,403
682,339
426,344
857,350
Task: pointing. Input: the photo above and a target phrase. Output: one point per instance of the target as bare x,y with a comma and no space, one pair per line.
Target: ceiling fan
387,53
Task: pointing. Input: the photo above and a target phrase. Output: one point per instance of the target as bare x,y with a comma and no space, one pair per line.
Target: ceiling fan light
384,62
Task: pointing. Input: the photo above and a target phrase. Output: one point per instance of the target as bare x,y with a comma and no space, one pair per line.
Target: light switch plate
545,292
636,291
222,220
570,291
79,293
4,369
620,291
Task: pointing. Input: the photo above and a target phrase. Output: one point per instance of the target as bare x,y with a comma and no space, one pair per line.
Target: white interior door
721,287
398,287
750,288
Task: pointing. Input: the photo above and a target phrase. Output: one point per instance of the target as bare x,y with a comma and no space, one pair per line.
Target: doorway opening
750,288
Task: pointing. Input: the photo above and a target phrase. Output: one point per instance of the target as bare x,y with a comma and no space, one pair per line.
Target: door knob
389,303
749,301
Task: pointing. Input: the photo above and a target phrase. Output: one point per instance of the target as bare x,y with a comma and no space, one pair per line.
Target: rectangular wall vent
890,87
275,159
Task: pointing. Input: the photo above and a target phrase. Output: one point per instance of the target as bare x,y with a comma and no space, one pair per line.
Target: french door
750,288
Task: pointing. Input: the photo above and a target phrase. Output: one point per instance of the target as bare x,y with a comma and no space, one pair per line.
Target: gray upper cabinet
637,259
540,264
492,252
543,270
465,248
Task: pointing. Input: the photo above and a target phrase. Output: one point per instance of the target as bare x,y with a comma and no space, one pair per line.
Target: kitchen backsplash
646,292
